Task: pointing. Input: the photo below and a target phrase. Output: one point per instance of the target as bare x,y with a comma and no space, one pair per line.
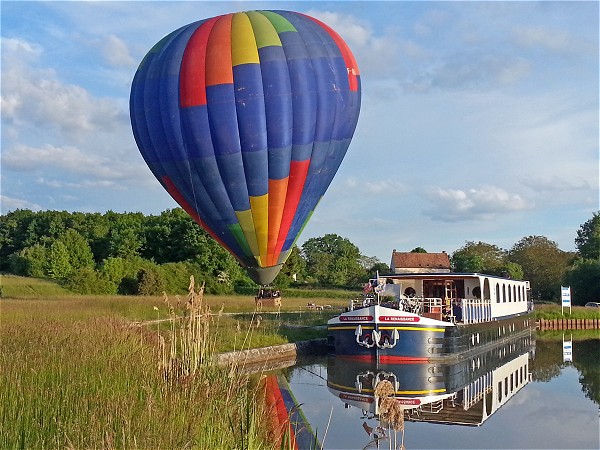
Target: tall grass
72,379
556,312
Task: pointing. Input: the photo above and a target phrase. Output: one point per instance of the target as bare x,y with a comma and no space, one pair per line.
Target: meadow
135,372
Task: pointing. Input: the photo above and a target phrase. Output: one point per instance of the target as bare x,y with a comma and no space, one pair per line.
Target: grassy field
548,311
101,372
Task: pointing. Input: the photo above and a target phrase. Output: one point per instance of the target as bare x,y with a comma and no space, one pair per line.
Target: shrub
89,281
30,262
150,281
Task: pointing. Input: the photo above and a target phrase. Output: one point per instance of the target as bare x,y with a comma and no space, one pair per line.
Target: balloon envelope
244,119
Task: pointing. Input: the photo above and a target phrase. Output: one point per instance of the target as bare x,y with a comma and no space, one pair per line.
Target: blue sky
479,120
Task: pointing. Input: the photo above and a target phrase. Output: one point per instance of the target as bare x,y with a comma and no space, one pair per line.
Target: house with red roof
408,262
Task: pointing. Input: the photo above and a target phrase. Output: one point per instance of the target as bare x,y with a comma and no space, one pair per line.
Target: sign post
565,292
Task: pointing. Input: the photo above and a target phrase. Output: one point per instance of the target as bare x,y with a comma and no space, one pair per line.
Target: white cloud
116,52
558,41
33,96
85,184
484,203
375,54
19,47
371,186
10,204
72,160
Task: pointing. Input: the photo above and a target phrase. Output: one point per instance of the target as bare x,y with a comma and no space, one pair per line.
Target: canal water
532,393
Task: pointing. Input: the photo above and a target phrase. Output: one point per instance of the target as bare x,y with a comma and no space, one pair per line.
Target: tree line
133,253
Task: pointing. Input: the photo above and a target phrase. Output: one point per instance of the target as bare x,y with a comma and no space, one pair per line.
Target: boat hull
368,334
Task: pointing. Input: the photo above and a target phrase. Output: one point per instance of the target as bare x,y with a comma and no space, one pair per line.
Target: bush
177,276
150,282
29,262
89,281
584,279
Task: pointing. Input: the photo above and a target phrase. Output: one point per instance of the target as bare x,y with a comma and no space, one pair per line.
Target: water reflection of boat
426,316
465,392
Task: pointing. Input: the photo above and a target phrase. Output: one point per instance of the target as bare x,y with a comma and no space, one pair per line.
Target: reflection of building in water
465,392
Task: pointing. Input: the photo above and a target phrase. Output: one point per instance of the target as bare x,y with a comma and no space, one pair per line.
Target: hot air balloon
244,119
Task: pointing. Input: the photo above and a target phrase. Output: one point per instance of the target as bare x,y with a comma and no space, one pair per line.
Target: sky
479,120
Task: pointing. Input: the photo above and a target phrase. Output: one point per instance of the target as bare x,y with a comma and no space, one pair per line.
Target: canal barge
420,317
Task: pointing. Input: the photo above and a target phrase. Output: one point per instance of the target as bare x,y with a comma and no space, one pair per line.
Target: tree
150,281
378,267
467,263
125,238
80,254
293,269
29,262
584,279
543,263
478,257
58,265
512,270
88,281
588,238
333,260
418,250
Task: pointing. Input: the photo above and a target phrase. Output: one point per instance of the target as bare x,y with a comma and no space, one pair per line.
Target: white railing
475,310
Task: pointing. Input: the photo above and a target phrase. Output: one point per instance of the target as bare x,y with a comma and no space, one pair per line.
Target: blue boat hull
420,342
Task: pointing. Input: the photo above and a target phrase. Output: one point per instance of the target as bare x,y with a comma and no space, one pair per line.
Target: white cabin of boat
453,297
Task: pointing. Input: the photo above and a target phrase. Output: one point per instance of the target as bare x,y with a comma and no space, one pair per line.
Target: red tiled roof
417,260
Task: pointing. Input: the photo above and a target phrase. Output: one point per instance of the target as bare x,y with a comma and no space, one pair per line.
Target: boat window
497,293
521,297
477,292
499,391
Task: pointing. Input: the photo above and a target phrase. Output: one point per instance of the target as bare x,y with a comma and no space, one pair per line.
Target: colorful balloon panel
244,119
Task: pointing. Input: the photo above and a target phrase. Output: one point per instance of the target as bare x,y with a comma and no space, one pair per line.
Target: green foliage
294,269
418,250
584,279
543,263
29,262
588,238
58,261
478,257
125,236
55,244
88,281
333,261
468,263
150,281
79,251
514,271
380,267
